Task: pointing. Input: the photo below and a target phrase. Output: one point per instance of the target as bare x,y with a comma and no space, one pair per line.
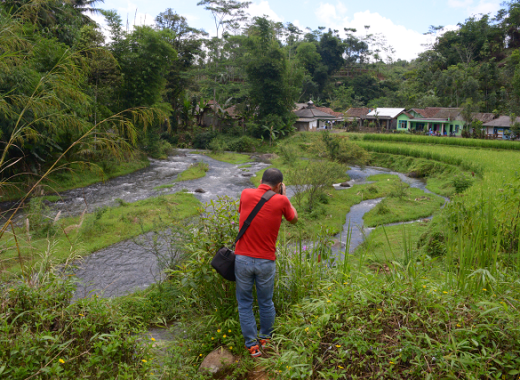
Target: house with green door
437,121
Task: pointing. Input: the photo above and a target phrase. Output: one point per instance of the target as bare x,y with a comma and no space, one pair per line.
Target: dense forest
61,77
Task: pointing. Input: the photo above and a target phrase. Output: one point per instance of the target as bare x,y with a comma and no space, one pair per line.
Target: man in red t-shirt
255,257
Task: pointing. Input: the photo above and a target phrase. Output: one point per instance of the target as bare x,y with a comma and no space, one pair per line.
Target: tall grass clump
470,143
44,335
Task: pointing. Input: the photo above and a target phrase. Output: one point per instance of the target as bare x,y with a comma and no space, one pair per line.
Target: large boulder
217,361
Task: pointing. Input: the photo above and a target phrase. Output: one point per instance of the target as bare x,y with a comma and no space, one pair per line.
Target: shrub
461,182
288,153
202,140
433,243
242,144
311,180
218,145
55,338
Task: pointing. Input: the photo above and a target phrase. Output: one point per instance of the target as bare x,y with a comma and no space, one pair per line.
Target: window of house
456,128
402,124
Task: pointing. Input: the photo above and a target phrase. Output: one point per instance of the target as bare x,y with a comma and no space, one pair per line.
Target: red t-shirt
259,241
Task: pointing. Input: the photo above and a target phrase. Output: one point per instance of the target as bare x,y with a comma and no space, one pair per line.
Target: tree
271,90
226,13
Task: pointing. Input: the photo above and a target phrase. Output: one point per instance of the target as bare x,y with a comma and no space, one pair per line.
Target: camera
282,188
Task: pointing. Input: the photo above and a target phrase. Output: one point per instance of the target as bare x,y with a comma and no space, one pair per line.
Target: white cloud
485,7
472,8
131,16
262,8
327,13
406,42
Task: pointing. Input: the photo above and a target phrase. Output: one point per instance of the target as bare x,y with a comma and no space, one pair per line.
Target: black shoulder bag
224,260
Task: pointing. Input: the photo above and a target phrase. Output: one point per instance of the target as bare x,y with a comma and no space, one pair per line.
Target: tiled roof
357,112
330,111
483,117
447,113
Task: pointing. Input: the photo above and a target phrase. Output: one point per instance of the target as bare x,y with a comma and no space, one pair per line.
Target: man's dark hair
272,177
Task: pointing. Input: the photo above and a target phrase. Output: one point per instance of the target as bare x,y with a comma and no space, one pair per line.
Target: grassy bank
79,176
230,157
94,231
431,140
402,205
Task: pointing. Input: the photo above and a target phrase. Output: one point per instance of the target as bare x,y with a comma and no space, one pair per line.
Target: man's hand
283,189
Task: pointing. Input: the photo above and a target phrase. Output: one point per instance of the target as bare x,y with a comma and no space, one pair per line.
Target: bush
433,243
242,144
218,145
340,150
311,180
461,183
45,336
202,140
288,153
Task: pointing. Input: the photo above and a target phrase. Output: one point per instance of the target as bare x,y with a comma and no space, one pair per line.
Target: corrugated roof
357,112
501,121
386,112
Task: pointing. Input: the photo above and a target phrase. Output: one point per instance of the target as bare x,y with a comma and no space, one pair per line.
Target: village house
499,127
356,113
388,118
310,118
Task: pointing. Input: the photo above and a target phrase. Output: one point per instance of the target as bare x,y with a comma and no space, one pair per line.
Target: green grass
231,158
386,244
81,176
194,171
330,213
413,205
417,139
104,227
50,198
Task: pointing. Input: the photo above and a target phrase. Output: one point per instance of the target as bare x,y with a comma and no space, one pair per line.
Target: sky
403,23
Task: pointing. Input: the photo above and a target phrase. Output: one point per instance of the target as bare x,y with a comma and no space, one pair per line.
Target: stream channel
132,265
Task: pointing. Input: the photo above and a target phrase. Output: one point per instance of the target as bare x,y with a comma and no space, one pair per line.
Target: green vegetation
193,172
55,338
403,204
469,143
230,157
75,175
387,244
90,232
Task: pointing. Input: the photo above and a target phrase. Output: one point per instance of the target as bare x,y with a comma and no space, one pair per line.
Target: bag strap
267,195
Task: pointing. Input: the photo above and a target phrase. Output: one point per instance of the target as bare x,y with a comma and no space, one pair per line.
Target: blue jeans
260,272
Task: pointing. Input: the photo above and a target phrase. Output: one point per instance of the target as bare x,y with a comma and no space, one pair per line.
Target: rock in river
345,184
199,190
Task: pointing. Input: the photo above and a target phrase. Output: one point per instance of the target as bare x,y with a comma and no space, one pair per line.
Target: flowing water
354,219
130,265
133,264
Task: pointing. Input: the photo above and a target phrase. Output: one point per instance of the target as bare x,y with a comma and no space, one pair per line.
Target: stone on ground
217,361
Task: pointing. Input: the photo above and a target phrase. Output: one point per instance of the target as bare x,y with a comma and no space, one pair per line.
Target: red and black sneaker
254,351
264,343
